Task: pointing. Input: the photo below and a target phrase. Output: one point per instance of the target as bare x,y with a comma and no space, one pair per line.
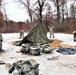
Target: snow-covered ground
64,65
66,38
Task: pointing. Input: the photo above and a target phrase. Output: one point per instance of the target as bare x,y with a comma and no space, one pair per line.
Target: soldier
74,33
21,34
51,30
1,42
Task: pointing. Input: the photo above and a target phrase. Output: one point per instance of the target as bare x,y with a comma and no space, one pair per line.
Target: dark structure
74,35
21,34
36,35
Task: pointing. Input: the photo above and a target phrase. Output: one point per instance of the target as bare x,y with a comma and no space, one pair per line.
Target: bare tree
66,11
28,6
58,4
1,14
48,16
5,15
40,8
28,24
73,11
63,10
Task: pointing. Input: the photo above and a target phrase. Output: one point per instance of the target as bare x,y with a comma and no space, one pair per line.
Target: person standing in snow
74,33
21,34
51,30
0,42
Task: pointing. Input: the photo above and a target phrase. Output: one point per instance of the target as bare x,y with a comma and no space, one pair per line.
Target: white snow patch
65,65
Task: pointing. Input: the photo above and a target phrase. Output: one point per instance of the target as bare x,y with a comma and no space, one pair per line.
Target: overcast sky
16,12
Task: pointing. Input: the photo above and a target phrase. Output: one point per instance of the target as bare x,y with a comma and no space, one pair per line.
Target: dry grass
57,43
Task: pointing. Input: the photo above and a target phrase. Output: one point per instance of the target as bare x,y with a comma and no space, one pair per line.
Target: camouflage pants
21,36
75,37
51,34
0,46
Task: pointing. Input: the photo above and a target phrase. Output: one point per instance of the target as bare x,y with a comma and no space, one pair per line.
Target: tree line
60,16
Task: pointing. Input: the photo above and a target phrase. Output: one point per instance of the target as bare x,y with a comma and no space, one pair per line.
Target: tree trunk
62,13
58,11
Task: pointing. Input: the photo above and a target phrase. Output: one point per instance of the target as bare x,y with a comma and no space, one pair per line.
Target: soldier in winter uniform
21,34
0,42
51,30
74,33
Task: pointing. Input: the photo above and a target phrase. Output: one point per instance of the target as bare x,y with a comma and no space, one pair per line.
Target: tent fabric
36,35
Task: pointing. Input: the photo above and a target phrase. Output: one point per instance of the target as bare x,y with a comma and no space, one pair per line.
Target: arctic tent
36,35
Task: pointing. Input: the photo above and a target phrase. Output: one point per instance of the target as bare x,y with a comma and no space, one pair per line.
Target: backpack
29,67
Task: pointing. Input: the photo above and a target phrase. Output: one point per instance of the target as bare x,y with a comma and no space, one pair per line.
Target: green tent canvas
36,35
